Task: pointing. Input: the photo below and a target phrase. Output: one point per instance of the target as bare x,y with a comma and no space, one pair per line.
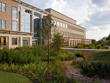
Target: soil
76,73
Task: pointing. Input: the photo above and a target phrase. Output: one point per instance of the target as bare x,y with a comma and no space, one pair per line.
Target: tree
83,41
58,40
47,28
108,38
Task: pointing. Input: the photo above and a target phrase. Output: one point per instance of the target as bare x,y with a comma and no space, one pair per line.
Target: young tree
58,40
47,28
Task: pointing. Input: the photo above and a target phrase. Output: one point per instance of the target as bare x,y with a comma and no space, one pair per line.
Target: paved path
73,72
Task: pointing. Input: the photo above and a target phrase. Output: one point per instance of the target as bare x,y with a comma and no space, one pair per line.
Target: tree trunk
48,48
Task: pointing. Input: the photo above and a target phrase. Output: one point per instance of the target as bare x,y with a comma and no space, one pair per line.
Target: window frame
3,7
3,24
14,42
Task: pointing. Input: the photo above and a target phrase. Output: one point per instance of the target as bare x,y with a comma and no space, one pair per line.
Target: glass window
4,7
14,41
0,6
55,22
14,25
64,25
26,22
0,23
58,24
14,12
4,24
61,24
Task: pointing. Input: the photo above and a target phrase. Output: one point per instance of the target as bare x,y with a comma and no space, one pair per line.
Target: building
20,21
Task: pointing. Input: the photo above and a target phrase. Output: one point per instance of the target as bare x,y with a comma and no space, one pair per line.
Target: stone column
32,22
2,38
20,20
10,42
21,41
30,41
72,42
7,41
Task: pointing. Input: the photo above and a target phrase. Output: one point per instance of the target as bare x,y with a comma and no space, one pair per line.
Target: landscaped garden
32,62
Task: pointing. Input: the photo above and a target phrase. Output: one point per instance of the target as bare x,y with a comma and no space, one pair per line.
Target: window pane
14,25
4,24
26,21
14,41
4,7
14,12
58,23
0,6
0,23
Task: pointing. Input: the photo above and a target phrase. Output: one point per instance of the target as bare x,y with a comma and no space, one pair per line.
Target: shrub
66,55
96,68
98,46
78,53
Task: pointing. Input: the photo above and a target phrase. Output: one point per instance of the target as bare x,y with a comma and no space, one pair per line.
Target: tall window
14,25
0,23
4,7
26,20
14,41
36,24
4,24
64,25
0,6
55,22
61,24
58,24
14,12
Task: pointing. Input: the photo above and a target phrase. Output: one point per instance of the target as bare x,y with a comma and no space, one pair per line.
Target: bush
78,53
98,46
66,55
96,68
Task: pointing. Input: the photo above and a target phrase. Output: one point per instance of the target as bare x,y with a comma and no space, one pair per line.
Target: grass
102,55
6,77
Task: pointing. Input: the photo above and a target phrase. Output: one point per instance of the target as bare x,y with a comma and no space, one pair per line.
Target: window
4,7
0,6
14,12
55,22
26,27
0,23
14,25
61,24
58,24
4,24
64,25
14,41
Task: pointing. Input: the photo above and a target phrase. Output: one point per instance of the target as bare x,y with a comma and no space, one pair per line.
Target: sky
94,15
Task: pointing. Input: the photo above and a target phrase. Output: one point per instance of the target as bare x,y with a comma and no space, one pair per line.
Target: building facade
20,21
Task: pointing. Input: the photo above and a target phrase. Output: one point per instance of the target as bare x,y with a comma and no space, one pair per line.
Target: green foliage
78,53
96,68
58,40
98,46
65,55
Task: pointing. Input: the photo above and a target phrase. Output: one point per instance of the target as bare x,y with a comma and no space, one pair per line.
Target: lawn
6,77
102,55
